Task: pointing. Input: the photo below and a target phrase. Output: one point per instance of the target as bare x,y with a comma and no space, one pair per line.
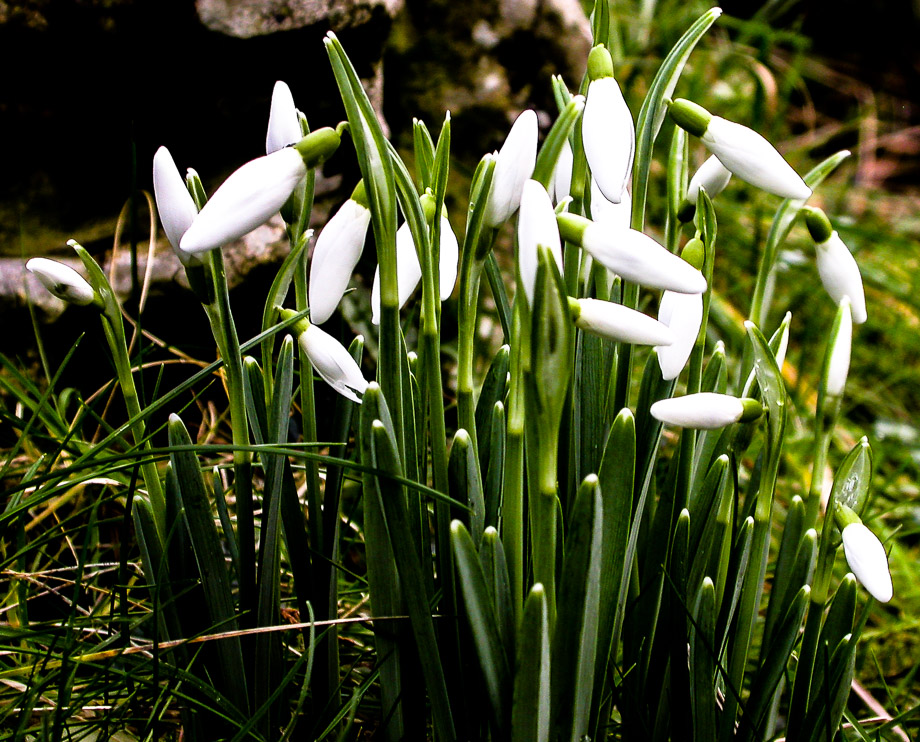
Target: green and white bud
865,554
336,253
536,226
609,136
837,267
64,282
706,410
616,322
513,166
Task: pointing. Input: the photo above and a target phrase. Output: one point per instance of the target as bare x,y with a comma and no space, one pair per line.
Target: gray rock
244,19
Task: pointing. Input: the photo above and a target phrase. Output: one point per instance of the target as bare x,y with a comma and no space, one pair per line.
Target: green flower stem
470,275
513,483
543,505
825,420
114,328
308,416
228,345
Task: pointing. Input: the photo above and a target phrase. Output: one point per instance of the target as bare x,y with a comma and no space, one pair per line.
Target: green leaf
557,137
531,700
495,571
775,661
465,484
574,655
703,664
209,555
654,108
493,659
853,477
424,153
494,389
494,479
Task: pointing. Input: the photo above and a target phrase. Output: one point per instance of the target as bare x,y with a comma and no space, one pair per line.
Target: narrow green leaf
424,153
211,565
494,478
574,651
774,663
558,135
654,108
493,659
495,571
703,664
411,577
465,484
494,389
530,710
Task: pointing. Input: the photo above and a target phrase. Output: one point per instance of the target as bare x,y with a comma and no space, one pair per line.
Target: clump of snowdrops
555,575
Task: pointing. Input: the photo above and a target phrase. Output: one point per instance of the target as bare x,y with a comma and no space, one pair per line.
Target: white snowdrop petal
611,215
247,199
840,275
683,314
283,122
562,173
609,137
448,259
839,364
712,175
536,226
637,257
62,281
868,561
515,164
333,362
335,255
408,272
705,411
617,322
174,203
753,159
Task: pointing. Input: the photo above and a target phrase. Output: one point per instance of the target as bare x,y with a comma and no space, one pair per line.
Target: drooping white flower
609,136
683,314
866,557
514,165
712,175
840,275
174,203
62,281
283,121
449,257
247,199
562,174
838,366
611,215
536,226
333,362
408,272
335,255
741,150
705,410
637,257
614,321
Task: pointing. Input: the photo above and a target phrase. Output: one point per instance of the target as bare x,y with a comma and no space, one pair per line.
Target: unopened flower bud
283,121
63,281
706,410
514,165
616,322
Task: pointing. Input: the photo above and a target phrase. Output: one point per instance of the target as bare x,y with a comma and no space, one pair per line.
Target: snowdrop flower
515,163
713,177
174,202
607,128
836,265
256,191
408,272
449,257
706,410
562,174
741,150
283,121
865,555
838,365
329,357
614,321
611,215
683,315
632,255
536,226
63,281
336,253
